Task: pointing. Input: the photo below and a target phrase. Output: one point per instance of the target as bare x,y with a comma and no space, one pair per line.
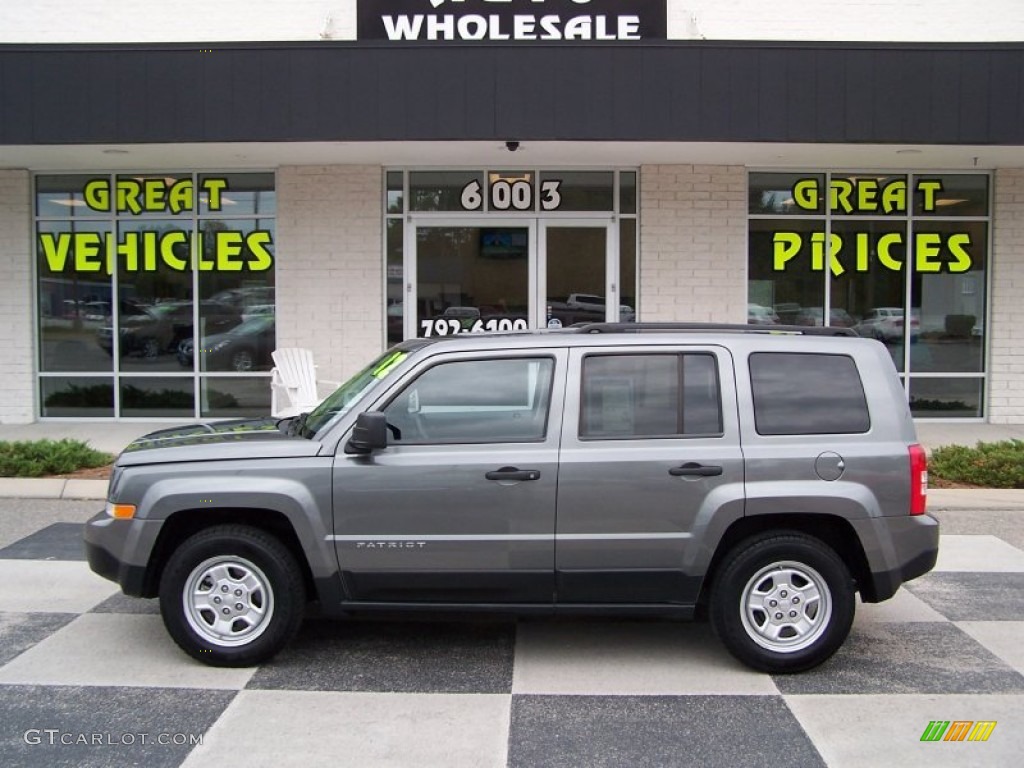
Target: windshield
352,391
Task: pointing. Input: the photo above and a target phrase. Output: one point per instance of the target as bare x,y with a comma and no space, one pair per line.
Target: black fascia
671,91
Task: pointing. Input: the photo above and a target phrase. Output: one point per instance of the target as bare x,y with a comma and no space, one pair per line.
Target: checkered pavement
90,677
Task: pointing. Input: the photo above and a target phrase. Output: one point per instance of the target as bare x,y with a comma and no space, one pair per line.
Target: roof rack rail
806,330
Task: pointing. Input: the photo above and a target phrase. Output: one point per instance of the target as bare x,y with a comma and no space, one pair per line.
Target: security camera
511,146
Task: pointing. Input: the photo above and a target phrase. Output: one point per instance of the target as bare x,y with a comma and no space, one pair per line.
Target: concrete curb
82,490
52,488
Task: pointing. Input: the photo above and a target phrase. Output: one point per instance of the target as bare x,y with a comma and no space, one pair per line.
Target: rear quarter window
807,394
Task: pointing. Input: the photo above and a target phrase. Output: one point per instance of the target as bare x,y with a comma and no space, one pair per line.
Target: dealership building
185,188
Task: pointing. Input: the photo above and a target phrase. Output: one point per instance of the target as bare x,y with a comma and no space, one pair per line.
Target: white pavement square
988,554
1004,638
862,731
358,730
29,586
116,649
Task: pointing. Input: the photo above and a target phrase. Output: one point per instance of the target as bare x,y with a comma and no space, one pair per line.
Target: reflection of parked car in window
758,315
787,312
837,317
141,331
246,347
886,324
585,308
214,317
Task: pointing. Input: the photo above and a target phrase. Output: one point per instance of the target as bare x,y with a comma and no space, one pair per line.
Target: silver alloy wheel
786,606
228,601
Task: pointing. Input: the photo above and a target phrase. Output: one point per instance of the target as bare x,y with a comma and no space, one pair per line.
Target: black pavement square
60,541
923,657
121,603
662,731
20,631
962,596
50,726
412,657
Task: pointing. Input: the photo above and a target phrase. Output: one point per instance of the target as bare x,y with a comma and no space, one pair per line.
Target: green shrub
35,458
992,465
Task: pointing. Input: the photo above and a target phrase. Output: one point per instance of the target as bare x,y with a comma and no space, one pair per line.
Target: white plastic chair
293,382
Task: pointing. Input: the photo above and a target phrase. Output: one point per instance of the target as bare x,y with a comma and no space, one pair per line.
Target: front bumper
119,550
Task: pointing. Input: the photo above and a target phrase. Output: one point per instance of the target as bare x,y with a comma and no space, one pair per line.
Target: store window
901,258
148,284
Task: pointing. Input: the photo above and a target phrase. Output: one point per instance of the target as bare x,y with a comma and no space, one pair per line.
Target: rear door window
650,395
807,394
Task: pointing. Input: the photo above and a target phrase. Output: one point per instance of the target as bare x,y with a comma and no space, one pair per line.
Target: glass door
468,276
578,265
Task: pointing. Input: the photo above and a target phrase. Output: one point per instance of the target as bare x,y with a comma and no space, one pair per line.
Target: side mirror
369,434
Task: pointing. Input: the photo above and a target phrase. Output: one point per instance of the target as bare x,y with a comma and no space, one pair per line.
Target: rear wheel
782,602
232,596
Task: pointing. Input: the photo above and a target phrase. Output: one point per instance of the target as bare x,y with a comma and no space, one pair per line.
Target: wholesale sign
511,20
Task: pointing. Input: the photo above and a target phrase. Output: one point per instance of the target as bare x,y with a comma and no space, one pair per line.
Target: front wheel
782,602
232,596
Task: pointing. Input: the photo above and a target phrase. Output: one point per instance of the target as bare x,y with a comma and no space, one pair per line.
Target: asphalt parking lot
90,678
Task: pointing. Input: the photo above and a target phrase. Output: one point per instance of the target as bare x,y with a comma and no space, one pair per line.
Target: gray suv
757,476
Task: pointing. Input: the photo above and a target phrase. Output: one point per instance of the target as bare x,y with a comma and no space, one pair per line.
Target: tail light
918,480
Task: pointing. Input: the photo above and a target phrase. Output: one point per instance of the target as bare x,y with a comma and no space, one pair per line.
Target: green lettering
958,245
867,195
928,189
155,195
87,252
885,242
257,243
128,192
805,194
786,247
97,195
229,248
840,198
894,196
213,189
180,196
168,249
56,248
927,249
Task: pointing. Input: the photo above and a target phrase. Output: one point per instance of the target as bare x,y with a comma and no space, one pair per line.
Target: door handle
693,469
513,473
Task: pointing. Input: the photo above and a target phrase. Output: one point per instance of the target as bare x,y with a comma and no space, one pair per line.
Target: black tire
261,578
747,595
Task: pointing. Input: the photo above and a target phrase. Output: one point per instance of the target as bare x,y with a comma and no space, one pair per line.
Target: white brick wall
53,21
1006,325
330,265
693,243
17,393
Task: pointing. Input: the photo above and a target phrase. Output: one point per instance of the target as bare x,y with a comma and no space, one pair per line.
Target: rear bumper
904,548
